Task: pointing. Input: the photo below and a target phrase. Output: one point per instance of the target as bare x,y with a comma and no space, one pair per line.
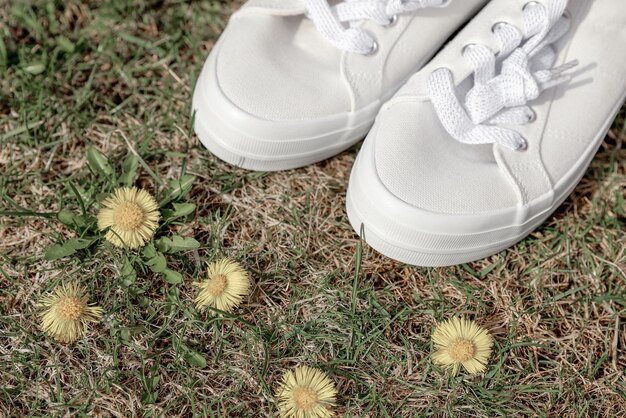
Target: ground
118,75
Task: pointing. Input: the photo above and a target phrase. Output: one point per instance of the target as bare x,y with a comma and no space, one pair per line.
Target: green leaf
70,218
79,243
183,209
177,244
157,264
180,210
172,276
35,69
56,251
178,188
66,217
125,334
68,248
149,251
162,244
195,359
128,272
127,267
98,162
129,170
65,44
184,243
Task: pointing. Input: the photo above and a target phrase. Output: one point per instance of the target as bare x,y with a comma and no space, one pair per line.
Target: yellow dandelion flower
306,393
131,215
226,285
66,314
461,342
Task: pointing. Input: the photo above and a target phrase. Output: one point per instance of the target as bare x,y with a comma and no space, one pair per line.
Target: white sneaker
483,144
293,82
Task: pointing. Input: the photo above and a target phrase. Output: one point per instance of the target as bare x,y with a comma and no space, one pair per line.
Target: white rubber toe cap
418,204
237,112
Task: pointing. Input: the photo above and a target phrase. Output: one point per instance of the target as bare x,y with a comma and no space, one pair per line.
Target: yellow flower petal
225,287
306,393
461,342
131,216
66,313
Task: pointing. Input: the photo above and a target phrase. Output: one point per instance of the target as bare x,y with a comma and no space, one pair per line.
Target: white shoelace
329,19
525,72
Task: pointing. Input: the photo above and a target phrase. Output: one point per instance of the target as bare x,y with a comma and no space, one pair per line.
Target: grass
118,74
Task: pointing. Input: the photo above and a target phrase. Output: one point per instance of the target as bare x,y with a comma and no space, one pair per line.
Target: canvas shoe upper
479,147
292,82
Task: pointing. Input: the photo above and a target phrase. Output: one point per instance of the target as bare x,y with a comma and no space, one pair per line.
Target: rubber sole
263,163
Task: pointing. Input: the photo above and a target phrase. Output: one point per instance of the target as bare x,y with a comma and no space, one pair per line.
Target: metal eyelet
467,48
392,21
532,116
523,146
530,4
373,50
498,25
